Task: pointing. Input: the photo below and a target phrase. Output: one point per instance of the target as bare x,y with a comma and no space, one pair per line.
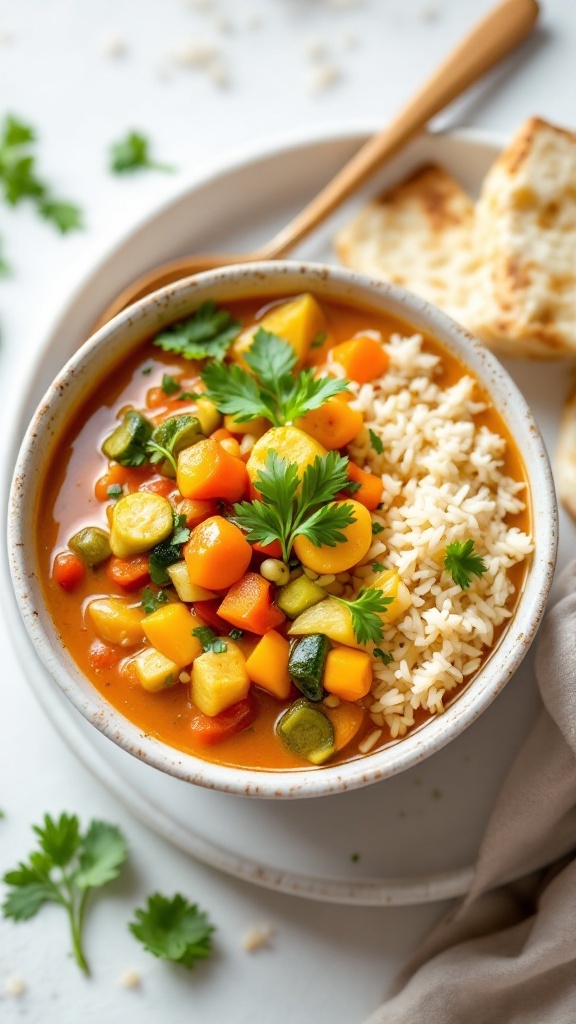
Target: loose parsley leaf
319,339
133,153
68,864
462,562
366,610
189,396
283,513
272,389
152,600
352,487
161,557
236,634
173,929
181,532
207,334
115,491
383,655
376,442
376,529
378,567
65,216
209,640
169,384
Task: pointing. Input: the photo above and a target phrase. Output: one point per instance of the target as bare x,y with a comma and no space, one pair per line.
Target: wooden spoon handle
490,40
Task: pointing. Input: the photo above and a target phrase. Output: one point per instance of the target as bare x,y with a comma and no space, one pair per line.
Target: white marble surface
325,963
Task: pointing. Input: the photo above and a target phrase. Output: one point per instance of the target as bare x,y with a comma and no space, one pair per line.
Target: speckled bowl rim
116,339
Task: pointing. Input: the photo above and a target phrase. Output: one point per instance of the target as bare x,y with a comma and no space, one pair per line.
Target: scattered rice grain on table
443,482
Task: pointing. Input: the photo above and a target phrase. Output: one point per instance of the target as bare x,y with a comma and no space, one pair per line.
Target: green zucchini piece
174,435
306,664
306,731
92,544
127,444
297,596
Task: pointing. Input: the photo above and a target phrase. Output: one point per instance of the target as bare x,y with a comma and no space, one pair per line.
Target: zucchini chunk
127,443
306,731
306,664
297,596
175,434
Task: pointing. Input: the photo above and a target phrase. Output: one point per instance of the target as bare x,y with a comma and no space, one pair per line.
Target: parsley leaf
209,640
115,491
133,153
319,340
352,486
181,532
169,384
161,557
272,389
282,514
173,929
67,865
376,529
383,655
152,600
462,562
378,567
376,442
366,610
236,634
207,334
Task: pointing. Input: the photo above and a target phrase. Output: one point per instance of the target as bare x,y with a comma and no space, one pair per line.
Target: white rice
443,481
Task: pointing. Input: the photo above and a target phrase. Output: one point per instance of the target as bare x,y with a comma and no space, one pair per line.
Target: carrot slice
248,605
129,573
68,570
217,554
371,487
206,470
210,730
363,359
334,424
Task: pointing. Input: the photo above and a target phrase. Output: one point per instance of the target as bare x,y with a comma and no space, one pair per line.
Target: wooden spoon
488,42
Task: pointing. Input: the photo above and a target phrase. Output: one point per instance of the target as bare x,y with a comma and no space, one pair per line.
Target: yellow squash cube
116,621
289,443
155,672
298,322
267,666
219,680
391,585
169,630
328,617
186,590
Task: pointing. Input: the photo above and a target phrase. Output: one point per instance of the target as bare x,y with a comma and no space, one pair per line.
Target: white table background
325,963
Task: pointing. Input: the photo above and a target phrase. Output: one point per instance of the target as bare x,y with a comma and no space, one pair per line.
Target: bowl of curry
282,530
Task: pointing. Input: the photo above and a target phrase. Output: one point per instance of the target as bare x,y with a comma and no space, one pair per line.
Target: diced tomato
102,656
273,550
129,573
248,605
209,731
68,570
158,485
208,612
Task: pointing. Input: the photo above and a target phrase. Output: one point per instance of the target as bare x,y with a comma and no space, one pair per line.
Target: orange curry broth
67,503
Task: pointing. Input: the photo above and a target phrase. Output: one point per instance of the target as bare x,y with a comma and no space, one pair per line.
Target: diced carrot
248,605
155,398
362,358
371,487
348,673
103,657
207,471
116,475
221,434
209,730
217,554
347,720
208,612
273,550
129,573
68,570
267,665
334,424
195,511
158,485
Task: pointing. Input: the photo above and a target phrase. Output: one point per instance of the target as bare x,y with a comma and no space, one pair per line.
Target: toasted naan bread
524,298
418,235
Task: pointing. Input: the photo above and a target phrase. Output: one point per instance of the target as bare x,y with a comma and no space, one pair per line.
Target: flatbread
524,297
565,456
418,235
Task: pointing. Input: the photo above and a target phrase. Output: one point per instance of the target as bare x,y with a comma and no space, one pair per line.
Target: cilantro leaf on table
462,562
272,390
132,153
285,512
173,929
63,870
207,334
366,609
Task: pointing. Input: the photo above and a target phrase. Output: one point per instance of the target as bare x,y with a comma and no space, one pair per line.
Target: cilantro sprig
132,153
152,600
67,865
366,610
291,507
272,390
209,640
168,552
173,929
462,562
207,334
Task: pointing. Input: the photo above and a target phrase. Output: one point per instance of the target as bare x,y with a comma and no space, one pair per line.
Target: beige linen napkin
507,953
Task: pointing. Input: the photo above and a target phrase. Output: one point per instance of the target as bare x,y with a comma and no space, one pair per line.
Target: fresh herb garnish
115,491
352,487
152,600
168,552
19,179
159,453
272,390
67,865
147,370
378,567
290,508
236,634
133,153
173,929
383,655
209,640
169,384
376,529
207,334
462,562
189,396
181,532
376,442
319,339
170,437
366,610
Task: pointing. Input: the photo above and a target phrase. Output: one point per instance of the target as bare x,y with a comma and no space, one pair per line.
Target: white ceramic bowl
109,346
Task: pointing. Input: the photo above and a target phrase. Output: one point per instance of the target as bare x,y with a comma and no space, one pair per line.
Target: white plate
409,839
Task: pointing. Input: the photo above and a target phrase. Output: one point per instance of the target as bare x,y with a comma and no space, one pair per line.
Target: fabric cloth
507,953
